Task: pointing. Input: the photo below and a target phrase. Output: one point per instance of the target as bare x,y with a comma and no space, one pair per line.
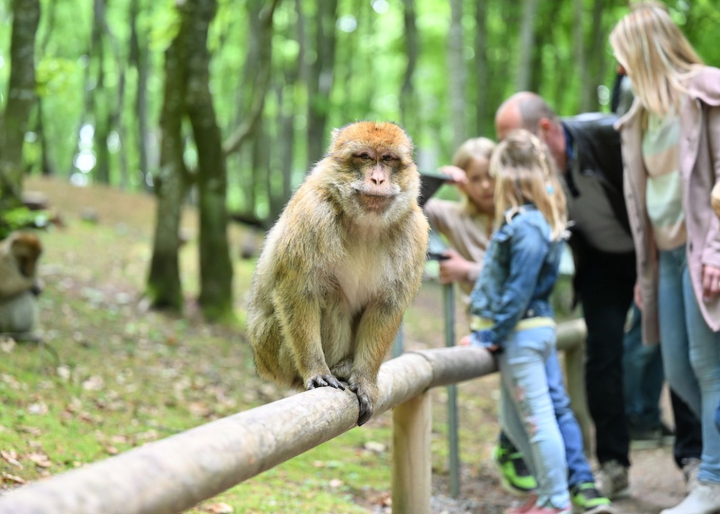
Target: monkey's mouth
375,200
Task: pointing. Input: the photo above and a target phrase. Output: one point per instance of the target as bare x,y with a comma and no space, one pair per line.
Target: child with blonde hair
511,312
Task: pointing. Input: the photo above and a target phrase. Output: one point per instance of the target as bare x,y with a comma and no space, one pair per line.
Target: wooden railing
176,473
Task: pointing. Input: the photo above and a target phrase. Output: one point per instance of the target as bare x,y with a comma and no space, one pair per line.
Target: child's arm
528,248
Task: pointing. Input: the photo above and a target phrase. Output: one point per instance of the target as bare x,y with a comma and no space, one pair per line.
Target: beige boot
704,499
612,480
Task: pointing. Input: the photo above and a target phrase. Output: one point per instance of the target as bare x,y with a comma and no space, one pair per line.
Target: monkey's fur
341,265
19,286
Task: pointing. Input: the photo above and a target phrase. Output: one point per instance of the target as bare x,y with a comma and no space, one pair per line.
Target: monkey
19,286
340,266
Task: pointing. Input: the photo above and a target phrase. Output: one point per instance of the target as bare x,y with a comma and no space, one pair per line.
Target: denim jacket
519,272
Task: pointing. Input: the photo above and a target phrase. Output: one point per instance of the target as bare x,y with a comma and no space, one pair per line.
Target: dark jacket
519,273
596,155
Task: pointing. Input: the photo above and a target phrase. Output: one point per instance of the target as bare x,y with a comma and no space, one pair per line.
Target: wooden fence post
411,471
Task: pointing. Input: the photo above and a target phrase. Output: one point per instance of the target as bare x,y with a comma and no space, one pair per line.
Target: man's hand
711,281
457,175
637,296
453,269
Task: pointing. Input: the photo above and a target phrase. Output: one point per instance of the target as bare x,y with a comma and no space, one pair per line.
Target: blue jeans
527,413
691,354
642,376
579,470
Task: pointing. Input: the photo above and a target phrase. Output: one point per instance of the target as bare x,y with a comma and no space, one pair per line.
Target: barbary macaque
19,286
341,265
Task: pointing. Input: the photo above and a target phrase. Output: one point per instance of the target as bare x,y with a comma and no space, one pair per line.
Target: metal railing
178,472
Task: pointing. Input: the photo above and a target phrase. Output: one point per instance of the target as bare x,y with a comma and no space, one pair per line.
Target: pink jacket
700,169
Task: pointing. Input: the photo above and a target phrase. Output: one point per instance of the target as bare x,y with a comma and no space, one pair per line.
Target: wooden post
411,471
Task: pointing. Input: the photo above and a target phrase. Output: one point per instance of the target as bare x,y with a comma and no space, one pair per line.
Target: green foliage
21,218
367,76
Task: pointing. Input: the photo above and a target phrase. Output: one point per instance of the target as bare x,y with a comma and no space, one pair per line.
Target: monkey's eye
365,155
388,158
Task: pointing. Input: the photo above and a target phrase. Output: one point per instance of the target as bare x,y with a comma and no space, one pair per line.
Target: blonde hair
524,172
473,149
656,56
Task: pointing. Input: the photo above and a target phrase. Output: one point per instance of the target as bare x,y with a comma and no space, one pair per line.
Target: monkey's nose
377,181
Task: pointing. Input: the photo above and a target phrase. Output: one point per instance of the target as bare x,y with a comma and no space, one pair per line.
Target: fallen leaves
11,457
39,409
39,459
218,508
7,477
375,447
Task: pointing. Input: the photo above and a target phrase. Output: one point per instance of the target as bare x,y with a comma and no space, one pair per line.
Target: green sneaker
586,499
515,477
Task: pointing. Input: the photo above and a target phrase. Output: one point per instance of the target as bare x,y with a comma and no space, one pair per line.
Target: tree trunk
482,98
216,273
457,75
139,59
320,80
100,97
408,103
20,100
46,165
527,43
597,57
580,56
164,287
258,65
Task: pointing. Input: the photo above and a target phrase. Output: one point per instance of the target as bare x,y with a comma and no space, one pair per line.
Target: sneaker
612,480
690,470
704,499
515,477
586,499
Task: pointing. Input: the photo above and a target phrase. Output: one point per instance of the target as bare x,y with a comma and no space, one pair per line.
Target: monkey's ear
334,133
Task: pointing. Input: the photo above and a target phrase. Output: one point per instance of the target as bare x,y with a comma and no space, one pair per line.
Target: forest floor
114,375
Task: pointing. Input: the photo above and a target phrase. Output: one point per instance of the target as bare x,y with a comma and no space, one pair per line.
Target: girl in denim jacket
511,313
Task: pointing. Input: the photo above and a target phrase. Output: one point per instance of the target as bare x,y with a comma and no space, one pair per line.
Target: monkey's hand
323,381
367,396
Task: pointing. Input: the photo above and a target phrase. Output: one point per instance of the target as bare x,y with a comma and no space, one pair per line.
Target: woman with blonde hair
671,148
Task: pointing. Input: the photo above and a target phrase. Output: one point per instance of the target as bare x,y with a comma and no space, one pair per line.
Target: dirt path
655,483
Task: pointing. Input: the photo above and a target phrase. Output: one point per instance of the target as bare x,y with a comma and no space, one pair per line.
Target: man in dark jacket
586,150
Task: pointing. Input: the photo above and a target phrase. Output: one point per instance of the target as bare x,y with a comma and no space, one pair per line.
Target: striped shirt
660,151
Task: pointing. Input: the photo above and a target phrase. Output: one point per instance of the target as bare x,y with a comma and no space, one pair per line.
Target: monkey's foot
367,406
323,381
342,369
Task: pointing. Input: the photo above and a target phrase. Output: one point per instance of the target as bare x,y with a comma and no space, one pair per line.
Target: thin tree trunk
164,287
579,44
482,98
261,71
527,43
20,100
320,81
597,57
216,273
408,104
286,127
99,96
457,74
139,59
46,165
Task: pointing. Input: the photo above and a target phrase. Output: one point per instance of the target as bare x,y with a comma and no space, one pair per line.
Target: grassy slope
125,376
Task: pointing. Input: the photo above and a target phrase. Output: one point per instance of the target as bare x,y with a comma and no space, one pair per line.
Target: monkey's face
26,250
375,172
